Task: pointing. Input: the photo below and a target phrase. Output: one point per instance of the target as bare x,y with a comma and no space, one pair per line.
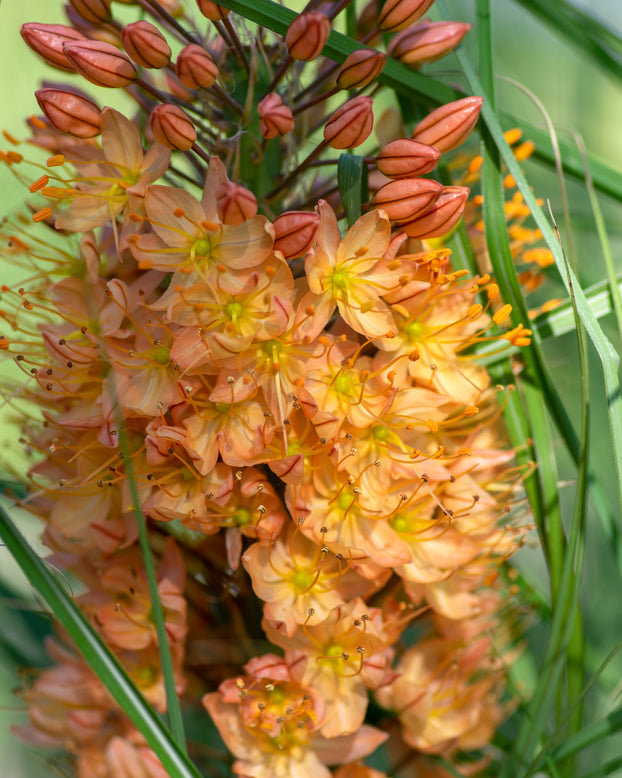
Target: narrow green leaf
606,352
173,709
351,179
96,653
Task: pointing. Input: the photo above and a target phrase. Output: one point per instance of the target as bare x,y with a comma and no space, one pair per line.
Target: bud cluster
290,404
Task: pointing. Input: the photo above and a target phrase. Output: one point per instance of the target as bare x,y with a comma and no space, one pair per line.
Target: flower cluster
294,408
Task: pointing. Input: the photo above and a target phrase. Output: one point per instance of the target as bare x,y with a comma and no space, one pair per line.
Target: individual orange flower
269,721
188,236
300,582
116,184
348,274
340,658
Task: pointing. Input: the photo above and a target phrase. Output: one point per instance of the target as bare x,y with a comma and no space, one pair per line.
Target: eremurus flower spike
247,409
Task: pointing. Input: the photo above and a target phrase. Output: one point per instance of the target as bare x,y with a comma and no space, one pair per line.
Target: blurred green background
577,95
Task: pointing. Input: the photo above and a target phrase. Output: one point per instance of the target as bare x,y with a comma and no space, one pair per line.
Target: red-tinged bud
404,158
146,45
195,67
70,113
276,117
351,124
211,10
442,215
404,199
307,35
172,127
295,232
450,125
92,11
398,14
427,41
47,41
100,63
234,203
360,68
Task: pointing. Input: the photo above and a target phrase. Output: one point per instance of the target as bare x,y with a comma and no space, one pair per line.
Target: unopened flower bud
211,10
427,41
402,200
195,67
351,124
69,112
295,232
360,68
146,45
450,125
234,203
92,11
276,117
100,63
47,41
441,216
404,158
399,14
172,127
307,35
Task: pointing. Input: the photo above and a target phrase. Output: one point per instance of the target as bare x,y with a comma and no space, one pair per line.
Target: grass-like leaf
352,180
96,653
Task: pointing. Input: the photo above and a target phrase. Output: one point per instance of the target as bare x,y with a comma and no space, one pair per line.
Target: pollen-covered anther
55,161
42,215
39,184
471,410
502,314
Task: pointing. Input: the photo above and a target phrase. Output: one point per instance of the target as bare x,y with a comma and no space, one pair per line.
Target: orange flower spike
146,45
307,35
404,158
404,199
100,63
195,67
47,41
70,113
92,11
295,232
360,69
396,15
427,42
276,118
450,125
441,216
350,125
172,127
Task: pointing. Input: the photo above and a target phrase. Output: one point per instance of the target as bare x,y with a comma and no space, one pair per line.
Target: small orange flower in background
278,380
